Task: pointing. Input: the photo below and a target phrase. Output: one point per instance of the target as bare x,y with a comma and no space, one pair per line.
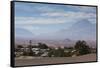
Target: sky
45,21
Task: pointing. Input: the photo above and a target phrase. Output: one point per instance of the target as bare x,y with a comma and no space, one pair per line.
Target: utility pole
30,42
30,47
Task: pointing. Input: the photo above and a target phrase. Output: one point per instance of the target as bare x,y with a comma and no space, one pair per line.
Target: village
42,50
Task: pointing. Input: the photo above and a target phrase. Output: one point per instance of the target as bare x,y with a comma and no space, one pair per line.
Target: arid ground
53,60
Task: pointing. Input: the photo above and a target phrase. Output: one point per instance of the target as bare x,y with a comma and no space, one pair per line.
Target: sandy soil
53,60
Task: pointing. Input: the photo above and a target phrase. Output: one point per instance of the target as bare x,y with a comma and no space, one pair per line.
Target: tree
42,46
19,46
82,47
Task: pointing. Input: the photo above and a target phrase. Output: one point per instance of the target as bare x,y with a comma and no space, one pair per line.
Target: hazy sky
34,20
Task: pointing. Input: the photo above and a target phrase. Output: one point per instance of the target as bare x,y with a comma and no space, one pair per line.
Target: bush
57,53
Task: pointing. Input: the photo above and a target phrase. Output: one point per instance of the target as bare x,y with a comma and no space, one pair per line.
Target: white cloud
49,14
70,14
56,18
32,20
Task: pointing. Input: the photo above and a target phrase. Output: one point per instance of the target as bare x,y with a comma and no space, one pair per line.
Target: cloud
33,20
34,13
56,18
69,14
44,19
87,9
29,9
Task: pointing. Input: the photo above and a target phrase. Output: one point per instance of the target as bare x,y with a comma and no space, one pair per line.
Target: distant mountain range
54,43
82,29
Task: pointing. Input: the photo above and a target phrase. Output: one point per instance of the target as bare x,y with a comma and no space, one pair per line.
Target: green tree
42,46
19,46
82,47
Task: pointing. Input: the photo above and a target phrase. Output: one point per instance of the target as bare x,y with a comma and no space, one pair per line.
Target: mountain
81,30
54,43
83,25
